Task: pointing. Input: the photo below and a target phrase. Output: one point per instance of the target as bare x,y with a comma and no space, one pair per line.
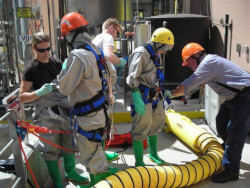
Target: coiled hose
175,175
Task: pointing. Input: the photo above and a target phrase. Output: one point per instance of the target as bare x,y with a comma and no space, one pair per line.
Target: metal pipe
4,116
48,7
226,35
231,39
16,42
153,7
6,147
17,182
137,12
125,17
54,26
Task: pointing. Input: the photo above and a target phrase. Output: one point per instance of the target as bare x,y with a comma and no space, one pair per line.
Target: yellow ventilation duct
175,175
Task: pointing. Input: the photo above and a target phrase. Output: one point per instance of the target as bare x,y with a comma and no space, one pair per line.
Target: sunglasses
43,50
118,32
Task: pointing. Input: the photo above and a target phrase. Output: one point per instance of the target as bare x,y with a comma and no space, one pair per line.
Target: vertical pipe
153,7
231,39
16,42
54,29
175,6
48,7
137,12
62,44
226,35
125,16
8,44
125,45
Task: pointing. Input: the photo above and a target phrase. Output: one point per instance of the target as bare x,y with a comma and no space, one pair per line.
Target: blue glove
123,62
46,88
168,94
139,104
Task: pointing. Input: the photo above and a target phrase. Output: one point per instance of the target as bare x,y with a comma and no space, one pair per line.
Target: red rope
27,163
53,144
32,129
38,129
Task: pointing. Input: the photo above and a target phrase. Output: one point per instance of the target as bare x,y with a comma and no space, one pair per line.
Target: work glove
123,62
138,103
64,66
46,88
168,94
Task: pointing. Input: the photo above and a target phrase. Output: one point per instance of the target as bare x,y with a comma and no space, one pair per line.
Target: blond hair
109,22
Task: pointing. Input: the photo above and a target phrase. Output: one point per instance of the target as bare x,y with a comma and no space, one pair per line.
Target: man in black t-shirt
51,109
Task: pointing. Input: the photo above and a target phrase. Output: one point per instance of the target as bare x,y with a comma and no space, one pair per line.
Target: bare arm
109,51
179,91
25,95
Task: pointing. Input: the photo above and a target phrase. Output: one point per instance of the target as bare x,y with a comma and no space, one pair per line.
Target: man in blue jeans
233,83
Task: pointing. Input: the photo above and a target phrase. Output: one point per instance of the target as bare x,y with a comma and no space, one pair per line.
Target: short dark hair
39,37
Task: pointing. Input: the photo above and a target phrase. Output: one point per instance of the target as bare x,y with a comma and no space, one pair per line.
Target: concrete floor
170,148
173,151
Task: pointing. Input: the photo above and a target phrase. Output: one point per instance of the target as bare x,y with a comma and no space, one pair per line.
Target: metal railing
20,171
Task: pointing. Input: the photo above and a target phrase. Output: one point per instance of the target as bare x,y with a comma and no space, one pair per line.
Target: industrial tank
186,28
97,11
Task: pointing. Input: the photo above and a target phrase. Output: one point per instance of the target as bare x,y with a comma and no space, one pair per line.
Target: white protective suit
45,116
80,81
143,71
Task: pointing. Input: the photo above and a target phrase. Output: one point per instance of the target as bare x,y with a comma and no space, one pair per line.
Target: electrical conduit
175,175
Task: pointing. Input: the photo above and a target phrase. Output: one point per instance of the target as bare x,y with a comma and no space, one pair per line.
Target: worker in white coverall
84,78
105,41
145,79
51,109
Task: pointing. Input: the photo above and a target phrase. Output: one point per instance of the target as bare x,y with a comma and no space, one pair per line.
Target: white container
213,102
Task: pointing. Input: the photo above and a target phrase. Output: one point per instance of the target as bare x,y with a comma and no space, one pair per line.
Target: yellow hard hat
163,35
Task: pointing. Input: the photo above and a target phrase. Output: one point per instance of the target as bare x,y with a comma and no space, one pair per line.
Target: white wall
239,14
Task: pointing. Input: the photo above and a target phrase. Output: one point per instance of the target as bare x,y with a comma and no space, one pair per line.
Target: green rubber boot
70,171
54,173
110,156
138,150
152,150
95,178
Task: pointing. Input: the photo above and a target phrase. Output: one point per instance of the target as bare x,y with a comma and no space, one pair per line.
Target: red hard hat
189,50
72,21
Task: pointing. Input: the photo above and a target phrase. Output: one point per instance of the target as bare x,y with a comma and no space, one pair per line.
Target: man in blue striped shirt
233,83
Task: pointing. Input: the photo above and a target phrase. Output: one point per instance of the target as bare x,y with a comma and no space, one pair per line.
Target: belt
92,106
92,135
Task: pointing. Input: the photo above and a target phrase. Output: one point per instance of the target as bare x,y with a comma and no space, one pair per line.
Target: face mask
164,48
69,37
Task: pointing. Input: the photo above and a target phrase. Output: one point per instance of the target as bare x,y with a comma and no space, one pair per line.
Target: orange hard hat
72,21
189,50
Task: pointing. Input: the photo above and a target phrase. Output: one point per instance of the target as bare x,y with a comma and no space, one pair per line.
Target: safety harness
151,95
96,103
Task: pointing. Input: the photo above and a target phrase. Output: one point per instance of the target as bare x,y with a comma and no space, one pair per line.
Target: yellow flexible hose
175,175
